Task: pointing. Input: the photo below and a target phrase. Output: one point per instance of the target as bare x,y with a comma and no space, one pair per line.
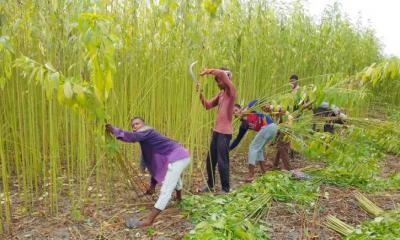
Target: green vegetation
238,214
67,67
385,227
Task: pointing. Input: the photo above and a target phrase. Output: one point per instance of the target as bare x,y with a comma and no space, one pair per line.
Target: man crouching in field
164,158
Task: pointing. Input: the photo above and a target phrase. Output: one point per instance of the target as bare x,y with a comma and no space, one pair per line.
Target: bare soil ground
106,221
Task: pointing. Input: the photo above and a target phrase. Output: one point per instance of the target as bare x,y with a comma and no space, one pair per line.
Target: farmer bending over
222,132
266,131
282,144
164,158
333,115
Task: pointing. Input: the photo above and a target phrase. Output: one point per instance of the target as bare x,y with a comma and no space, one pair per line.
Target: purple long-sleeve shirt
157,150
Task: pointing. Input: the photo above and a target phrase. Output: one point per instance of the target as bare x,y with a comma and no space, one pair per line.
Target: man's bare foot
274,167
144,224
134,223
249,179
179,195
150,191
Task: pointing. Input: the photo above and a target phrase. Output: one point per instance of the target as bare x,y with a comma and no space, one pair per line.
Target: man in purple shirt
164,158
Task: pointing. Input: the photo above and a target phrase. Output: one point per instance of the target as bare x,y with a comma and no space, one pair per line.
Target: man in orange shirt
222,132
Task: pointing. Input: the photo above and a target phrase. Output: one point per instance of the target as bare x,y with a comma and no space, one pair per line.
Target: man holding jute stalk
222,132
163,157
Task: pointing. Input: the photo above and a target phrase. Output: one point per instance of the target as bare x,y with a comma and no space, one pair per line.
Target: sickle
191,71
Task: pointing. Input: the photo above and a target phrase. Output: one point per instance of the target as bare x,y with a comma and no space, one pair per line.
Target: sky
381,15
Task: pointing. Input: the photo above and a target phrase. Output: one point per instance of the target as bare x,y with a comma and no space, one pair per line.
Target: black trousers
219,153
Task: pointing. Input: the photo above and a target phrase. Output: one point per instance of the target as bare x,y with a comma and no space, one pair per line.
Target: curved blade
191,71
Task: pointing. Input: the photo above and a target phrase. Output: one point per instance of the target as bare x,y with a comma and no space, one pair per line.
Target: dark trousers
219,153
